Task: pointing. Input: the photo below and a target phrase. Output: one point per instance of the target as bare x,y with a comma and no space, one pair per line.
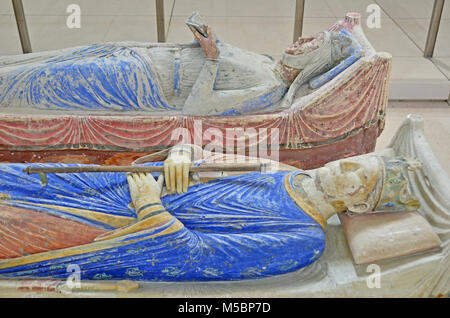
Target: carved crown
395,195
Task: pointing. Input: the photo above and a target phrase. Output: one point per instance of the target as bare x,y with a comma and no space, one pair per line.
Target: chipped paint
229,223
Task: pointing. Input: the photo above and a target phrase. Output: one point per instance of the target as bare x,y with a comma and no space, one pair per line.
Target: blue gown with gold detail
231,228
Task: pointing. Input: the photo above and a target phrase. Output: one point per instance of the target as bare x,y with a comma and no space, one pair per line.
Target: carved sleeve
202,90
204,99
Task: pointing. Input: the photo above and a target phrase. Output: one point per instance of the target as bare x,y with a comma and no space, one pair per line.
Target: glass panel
9,36
101,21
411,16
442,49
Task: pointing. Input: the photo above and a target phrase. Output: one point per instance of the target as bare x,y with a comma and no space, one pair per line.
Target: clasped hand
145,191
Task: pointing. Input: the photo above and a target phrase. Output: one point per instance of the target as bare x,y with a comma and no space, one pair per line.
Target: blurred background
418,84
263,26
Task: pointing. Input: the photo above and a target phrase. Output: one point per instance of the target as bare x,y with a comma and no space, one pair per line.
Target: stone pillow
384,235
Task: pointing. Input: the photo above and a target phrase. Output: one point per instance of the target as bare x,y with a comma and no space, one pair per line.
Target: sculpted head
368,183
305,44
300,47
347,183
317,53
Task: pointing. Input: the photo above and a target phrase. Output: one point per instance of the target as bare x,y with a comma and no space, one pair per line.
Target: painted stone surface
118,77
207,237
340,117
229,228
250,225
334,273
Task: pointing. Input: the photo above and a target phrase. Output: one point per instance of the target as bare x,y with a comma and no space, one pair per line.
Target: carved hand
176,169
145,193
144,189
208,44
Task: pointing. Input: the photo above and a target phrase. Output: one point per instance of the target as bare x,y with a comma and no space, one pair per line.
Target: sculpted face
301,46
305,44
347,183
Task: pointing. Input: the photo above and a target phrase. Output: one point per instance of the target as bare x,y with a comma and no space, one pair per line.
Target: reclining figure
206,77
248,225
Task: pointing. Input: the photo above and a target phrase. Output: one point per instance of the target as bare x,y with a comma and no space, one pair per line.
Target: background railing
297,32
160,26
22,26
434,27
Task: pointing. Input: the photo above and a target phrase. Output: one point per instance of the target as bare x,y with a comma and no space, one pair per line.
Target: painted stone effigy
50,222
248,225
204,78
327,94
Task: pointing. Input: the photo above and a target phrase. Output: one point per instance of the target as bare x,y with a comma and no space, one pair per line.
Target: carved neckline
298,195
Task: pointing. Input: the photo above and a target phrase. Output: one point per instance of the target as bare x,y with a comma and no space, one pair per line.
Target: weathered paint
116,77
335,273
99,77
342,118
310,156
26,232
237,227
358,101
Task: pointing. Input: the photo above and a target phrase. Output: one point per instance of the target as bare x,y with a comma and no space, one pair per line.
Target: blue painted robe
148,78
115,77
236,227
99,77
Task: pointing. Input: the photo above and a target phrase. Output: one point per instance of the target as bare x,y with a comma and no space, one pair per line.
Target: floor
265,26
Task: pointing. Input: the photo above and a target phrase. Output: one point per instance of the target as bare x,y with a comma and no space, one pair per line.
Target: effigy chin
333,219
